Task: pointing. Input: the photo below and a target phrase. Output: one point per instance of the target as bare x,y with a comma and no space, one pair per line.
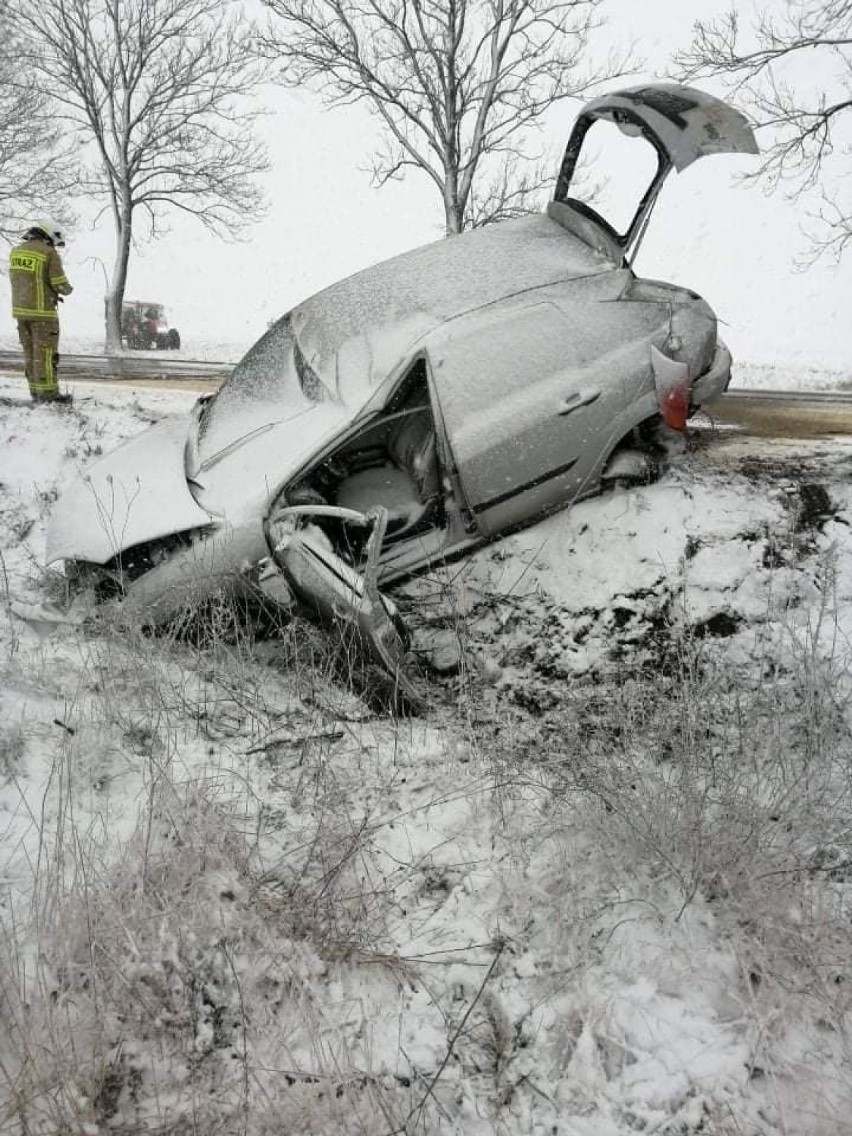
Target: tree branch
454,83
792,71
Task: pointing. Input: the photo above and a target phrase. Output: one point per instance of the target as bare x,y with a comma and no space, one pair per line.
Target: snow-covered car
463,390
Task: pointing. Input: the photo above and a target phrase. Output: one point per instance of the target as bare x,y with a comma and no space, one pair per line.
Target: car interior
392,463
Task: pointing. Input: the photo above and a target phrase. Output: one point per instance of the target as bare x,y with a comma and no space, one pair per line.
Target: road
784,414
778,414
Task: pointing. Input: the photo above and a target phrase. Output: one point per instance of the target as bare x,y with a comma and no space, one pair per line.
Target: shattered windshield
272,381
273,374
275,368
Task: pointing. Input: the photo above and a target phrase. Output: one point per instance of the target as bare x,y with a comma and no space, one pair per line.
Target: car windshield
274,370
272,381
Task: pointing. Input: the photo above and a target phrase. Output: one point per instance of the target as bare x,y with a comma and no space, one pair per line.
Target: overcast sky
729,242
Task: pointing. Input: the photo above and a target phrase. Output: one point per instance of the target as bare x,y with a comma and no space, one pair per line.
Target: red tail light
672,382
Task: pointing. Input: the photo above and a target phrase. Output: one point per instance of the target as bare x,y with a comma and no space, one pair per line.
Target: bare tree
457,85
35,170
792,71
159,88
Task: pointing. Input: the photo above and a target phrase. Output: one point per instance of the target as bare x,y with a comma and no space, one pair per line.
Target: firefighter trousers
40,341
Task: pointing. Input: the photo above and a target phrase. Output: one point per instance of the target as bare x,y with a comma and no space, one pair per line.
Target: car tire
630,466
174,339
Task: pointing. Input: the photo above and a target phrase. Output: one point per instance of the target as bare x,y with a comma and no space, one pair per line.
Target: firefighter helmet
50,230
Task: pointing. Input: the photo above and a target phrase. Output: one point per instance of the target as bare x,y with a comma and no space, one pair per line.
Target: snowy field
774,376
602,887
206,350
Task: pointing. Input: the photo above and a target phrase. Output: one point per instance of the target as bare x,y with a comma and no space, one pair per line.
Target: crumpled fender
135,494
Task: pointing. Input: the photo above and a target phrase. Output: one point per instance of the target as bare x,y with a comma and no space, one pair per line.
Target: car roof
378,315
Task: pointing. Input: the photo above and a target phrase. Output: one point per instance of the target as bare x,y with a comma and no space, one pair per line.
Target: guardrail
760,395
125,366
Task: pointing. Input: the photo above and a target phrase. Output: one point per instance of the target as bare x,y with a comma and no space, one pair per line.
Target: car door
527,421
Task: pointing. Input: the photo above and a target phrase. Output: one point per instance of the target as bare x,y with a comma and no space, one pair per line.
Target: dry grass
128,968
162,974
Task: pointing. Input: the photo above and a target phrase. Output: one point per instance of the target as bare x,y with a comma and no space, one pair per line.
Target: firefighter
38,284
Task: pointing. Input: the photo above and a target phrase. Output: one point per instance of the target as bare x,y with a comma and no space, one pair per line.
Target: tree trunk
115,293
453,213
453,207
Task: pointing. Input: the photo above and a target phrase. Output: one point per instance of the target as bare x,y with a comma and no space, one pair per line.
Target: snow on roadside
310,918
795,377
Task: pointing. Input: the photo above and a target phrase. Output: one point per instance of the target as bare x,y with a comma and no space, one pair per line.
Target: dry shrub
163,984
172,990
12,748
735,785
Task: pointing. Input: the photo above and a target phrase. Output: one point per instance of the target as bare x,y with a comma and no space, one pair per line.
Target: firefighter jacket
38,278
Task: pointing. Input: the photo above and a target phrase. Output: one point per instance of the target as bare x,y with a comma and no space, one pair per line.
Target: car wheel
174,339
630,467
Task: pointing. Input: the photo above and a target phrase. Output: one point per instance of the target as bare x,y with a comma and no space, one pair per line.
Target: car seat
407,484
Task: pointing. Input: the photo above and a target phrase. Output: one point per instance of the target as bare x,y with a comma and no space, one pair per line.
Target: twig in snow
278,739
430,1088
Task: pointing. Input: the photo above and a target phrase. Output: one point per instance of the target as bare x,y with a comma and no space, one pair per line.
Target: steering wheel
289,518
350,515
376,519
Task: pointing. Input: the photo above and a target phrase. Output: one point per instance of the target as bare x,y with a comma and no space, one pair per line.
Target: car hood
238,480
140,492
135,494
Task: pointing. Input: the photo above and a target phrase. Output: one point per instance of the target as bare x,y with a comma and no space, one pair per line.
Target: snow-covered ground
601,887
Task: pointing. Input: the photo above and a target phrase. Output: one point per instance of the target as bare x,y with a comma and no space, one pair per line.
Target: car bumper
714,381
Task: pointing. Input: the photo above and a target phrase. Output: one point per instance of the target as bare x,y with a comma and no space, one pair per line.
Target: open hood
681,123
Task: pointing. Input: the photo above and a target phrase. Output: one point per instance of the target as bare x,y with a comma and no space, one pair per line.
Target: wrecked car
458,391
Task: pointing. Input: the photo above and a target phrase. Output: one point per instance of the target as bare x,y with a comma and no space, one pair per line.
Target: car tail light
671,379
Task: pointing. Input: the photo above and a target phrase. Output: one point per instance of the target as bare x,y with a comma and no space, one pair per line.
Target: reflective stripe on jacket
37,276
